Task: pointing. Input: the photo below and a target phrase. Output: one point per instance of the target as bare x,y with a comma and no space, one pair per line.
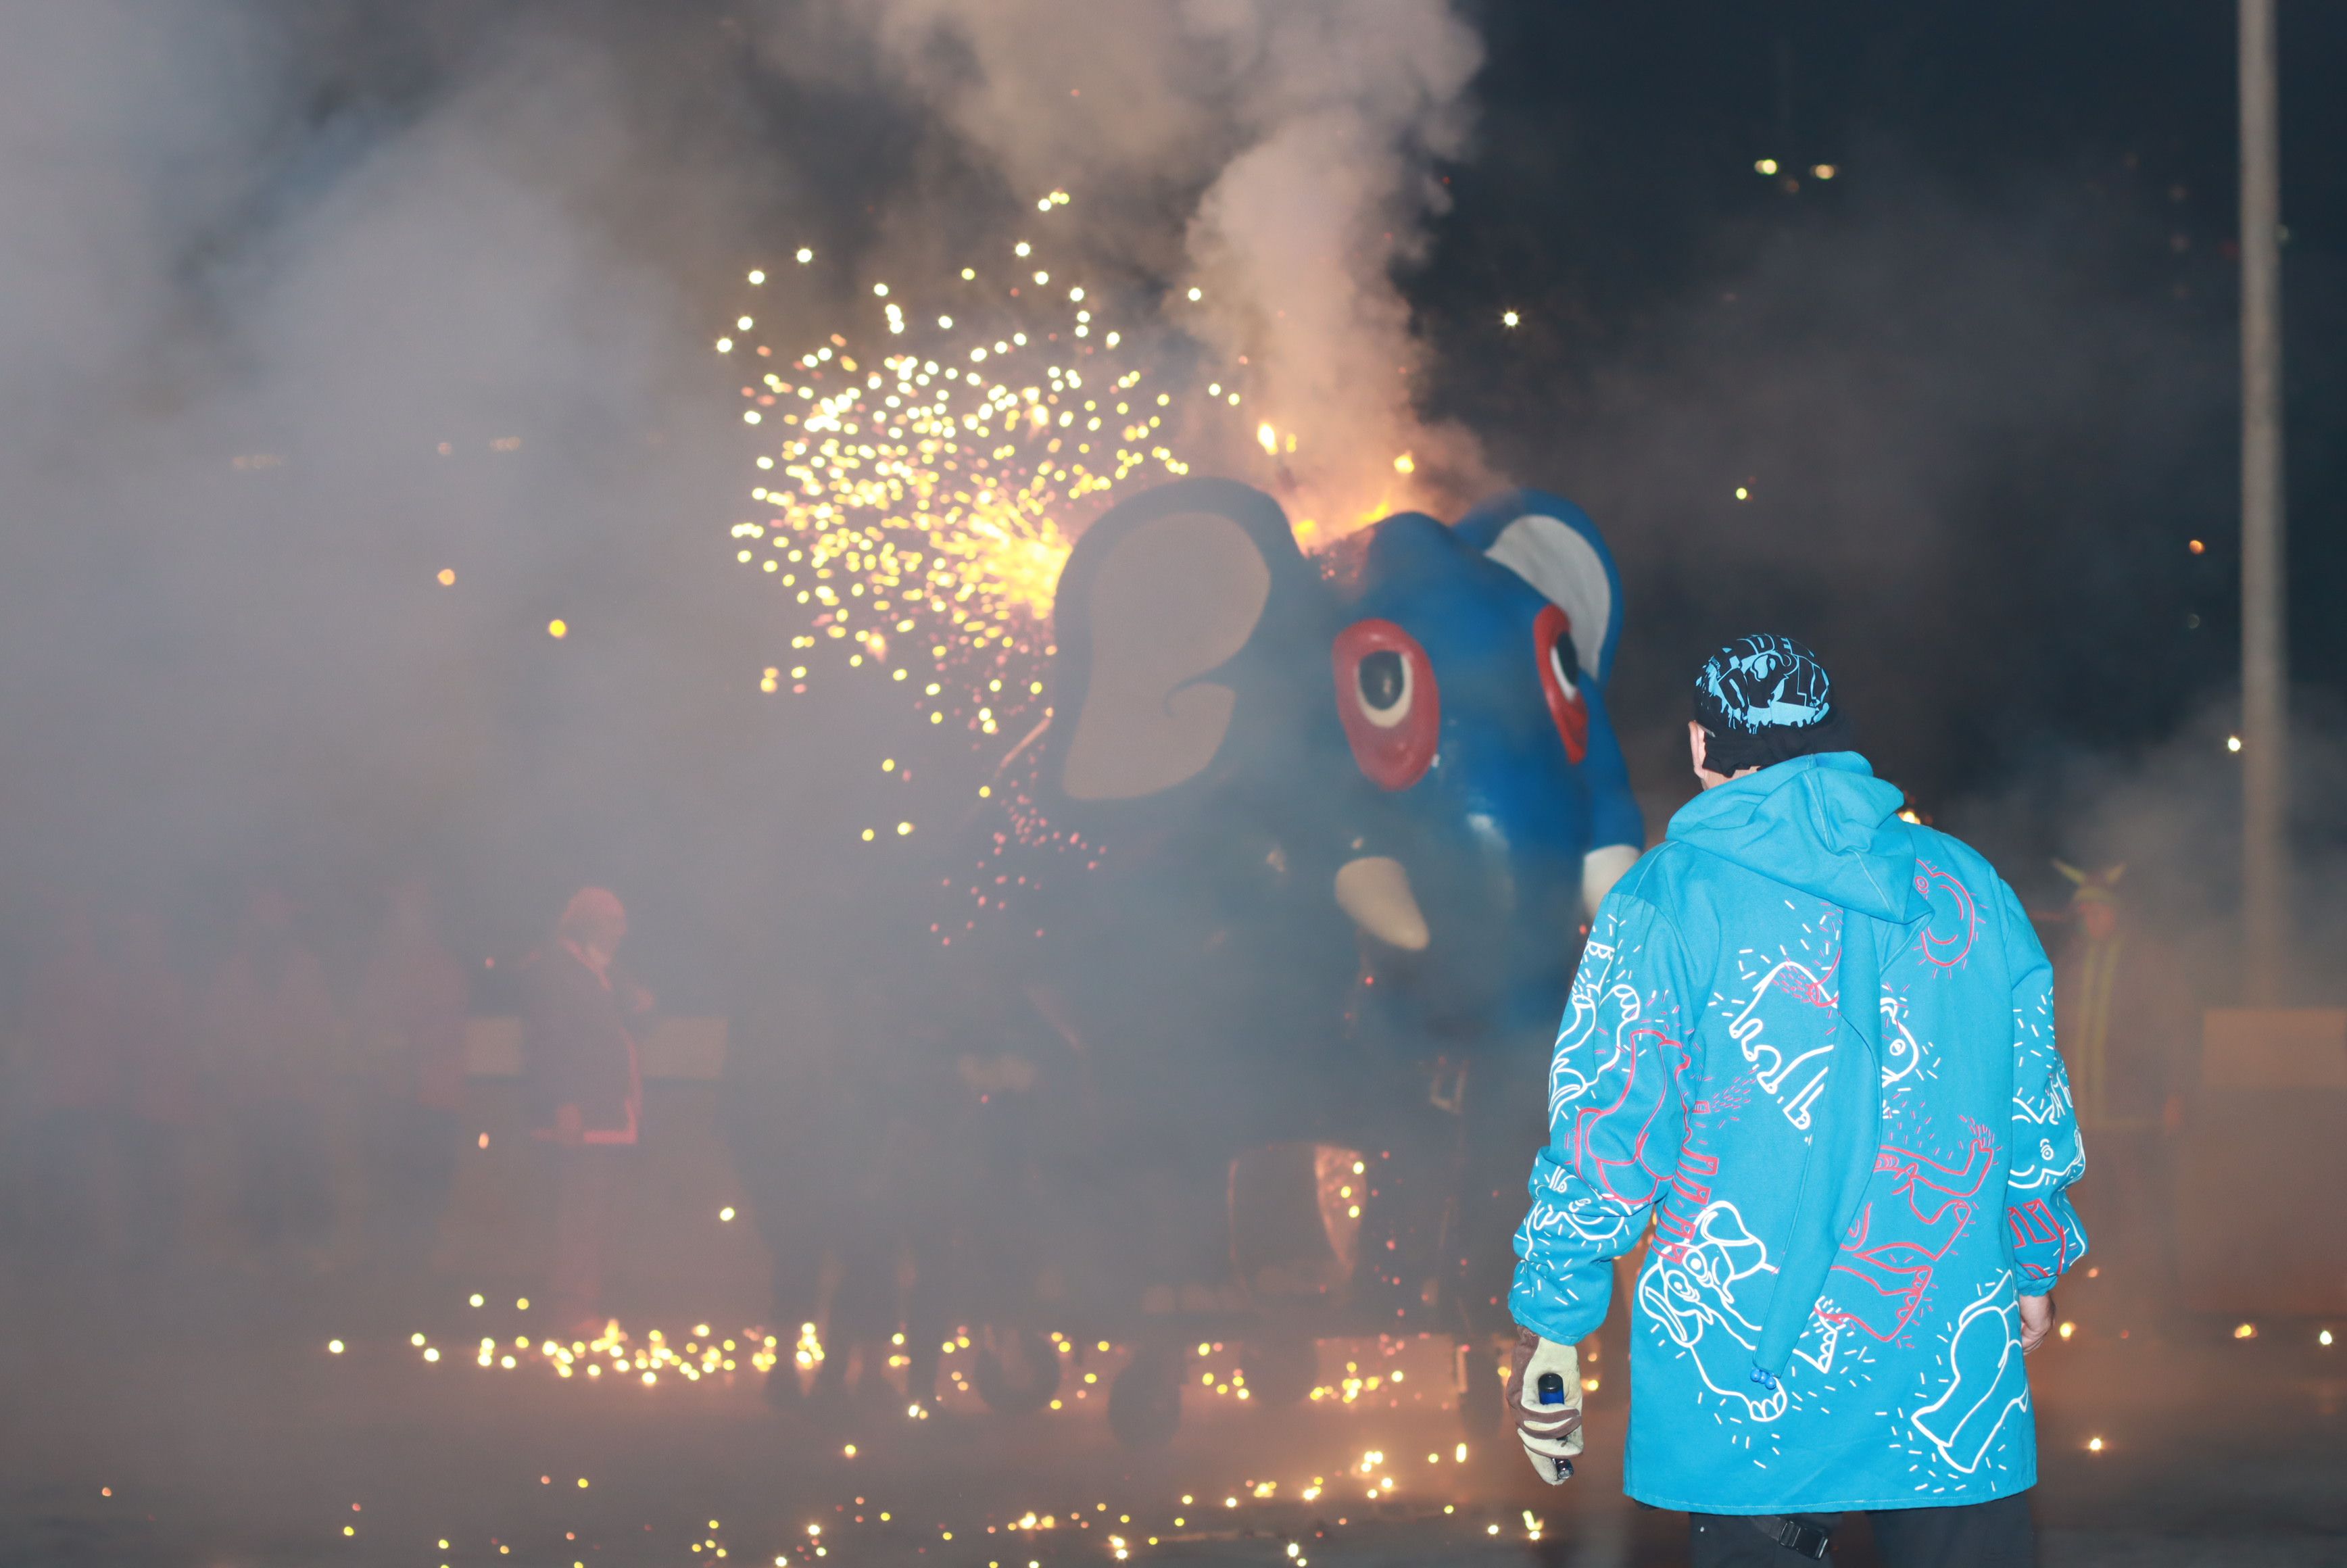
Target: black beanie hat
1763,700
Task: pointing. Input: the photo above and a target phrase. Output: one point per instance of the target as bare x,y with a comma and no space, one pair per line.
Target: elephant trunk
1375,891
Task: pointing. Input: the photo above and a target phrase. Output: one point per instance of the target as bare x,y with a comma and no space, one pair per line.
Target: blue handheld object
1552,1388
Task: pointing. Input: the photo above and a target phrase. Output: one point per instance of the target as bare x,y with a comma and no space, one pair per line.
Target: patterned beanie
1763,700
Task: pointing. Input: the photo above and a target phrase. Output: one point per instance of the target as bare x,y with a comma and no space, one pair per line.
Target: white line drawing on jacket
1746,1029
1963,1422
1691,1293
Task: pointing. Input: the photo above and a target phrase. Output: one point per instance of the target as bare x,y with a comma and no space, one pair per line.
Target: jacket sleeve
2042,1235
1615,1119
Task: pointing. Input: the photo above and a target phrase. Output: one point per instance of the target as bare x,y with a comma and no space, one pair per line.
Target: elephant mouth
1374,891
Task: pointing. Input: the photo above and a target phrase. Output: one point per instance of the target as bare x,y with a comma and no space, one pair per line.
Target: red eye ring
1389,701
1560,678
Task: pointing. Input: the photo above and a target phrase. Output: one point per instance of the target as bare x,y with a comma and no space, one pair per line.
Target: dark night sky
2023,267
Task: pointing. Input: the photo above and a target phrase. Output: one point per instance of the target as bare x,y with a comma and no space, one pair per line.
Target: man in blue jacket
1815,1041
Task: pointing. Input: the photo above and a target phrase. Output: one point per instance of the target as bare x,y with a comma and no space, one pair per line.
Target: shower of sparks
921,497
918,483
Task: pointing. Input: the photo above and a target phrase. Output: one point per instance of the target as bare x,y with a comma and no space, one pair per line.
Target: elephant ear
1552,543
1179,620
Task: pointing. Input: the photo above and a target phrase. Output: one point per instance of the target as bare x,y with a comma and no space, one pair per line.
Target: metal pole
2265,655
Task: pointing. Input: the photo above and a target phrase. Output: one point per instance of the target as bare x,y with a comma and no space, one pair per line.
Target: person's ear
1695,746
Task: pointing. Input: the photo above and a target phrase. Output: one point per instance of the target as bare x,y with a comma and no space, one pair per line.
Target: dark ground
209,1425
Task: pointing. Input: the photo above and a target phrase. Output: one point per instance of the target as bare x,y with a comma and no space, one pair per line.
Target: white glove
1551,1433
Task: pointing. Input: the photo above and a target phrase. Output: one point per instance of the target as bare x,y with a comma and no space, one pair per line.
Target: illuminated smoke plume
1277,156
1296,240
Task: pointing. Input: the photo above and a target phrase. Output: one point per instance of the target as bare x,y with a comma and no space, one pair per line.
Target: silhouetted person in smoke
274,1036
786,1148
2128,1026
584,1082
158,1032
75,1048
859,1194
409,1021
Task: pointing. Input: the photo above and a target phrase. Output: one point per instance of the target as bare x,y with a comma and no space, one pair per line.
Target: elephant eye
1564,666
1384,681
1389,701
1560,669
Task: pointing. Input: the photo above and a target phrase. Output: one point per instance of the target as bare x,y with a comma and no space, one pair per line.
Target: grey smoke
1279,156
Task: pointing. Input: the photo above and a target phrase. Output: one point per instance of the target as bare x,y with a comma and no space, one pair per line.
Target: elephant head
1415,747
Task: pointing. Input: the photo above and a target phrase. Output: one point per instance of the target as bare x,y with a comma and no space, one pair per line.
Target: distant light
743,323
903,828
1041,279
521,1304
557,629
2233,743
1742,493
868,835
725,345
967,273
333,1346
1267,437
1197,293
484,1144
1765,166
881,289
2093,1445
1405,464
945,323
804,255
1021,249
476,1298
2246,1331
2068,1330
2324,1337
2196,547
757,275
447,576
726,1214
1825,171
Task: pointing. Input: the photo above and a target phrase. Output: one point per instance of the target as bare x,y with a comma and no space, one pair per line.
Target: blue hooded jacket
1816,1042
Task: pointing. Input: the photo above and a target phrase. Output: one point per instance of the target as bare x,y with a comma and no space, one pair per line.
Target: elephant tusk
1600,869
1375,891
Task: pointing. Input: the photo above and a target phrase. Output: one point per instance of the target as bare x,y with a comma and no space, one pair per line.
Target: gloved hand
1551,1433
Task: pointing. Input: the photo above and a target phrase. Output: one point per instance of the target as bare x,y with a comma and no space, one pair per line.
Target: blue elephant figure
1352,810
1411,734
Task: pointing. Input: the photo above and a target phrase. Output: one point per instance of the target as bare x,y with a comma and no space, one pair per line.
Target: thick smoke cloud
302,312
1290,151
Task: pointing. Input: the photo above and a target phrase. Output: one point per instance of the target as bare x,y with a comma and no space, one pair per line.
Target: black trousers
1975,1535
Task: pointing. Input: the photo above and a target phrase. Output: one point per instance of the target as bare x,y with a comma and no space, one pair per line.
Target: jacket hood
1823,824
